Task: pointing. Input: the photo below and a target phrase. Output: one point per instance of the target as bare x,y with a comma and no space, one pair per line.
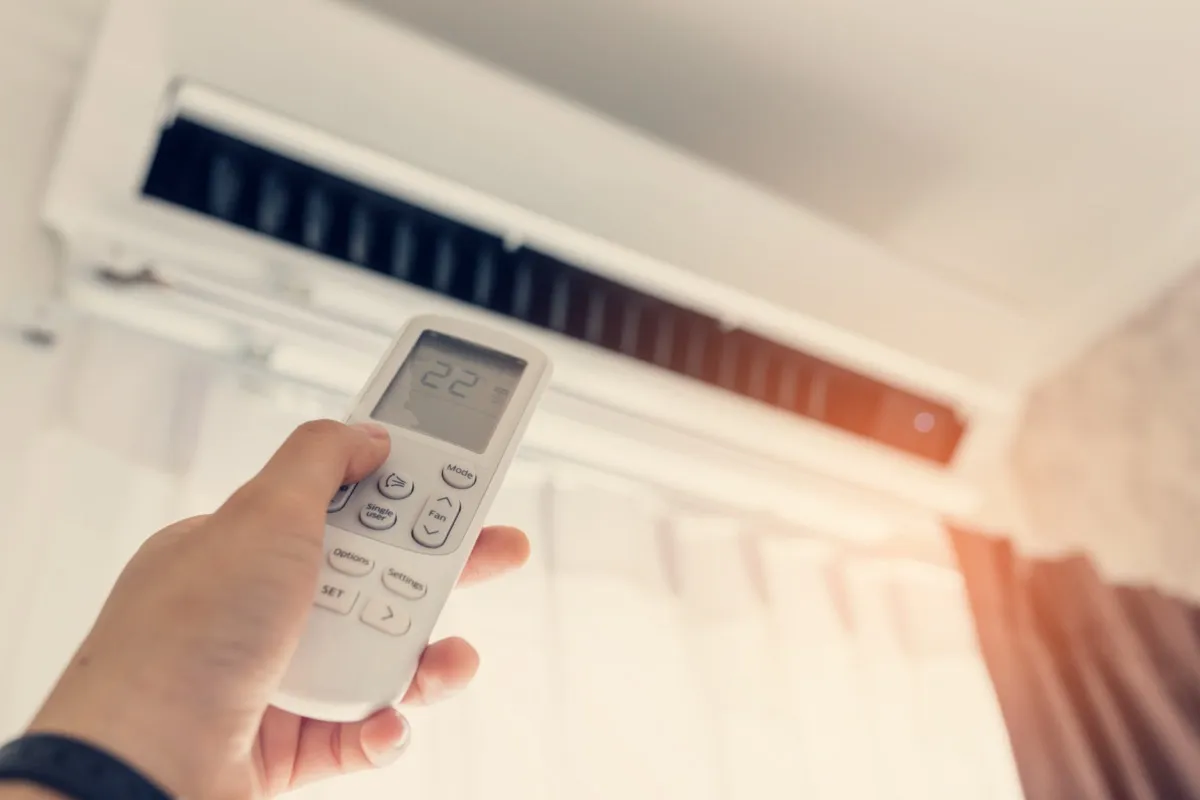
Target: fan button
437,518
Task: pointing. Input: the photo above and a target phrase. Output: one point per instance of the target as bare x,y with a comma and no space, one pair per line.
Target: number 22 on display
435,378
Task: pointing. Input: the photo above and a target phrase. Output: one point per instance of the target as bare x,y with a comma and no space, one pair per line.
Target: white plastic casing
345,669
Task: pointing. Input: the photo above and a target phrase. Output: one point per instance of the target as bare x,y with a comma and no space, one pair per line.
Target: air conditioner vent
225,178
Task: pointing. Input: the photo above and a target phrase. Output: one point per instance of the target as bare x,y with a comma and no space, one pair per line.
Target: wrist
75,769
136,730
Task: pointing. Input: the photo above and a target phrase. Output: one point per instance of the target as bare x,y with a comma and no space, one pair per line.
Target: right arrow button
433,526
384,616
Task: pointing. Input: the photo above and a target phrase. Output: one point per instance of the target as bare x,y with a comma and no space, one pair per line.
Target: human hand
177,673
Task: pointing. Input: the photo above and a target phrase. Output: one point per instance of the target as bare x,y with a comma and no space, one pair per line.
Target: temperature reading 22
437,378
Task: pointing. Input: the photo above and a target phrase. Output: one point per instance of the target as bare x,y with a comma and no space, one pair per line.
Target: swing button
395,485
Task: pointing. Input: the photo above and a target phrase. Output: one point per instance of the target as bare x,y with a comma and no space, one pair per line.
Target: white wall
43,45
1108,458
1043,157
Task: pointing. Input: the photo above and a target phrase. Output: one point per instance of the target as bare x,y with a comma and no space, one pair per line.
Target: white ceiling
1021,146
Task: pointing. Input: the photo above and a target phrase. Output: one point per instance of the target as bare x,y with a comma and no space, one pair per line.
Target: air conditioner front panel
335,86
343,73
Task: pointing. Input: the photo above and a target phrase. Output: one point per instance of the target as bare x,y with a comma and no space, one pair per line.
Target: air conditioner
295,178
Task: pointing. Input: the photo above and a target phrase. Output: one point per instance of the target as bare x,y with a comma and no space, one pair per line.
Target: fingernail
392,754
372,429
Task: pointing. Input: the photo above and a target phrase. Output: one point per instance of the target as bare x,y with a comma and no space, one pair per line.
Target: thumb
297,483
321,455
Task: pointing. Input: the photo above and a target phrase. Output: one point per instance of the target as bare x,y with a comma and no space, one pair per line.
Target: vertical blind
649,650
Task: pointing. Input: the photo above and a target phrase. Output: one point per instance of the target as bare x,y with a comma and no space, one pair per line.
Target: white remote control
456,399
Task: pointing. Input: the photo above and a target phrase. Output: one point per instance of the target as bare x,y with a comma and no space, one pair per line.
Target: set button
336,597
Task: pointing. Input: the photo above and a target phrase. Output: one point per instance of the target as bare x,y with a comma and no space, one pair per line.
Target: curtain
651,649
1099,682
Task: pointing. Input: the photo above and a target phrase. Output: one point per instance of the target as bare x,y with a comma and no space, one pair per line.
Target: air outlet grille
225,178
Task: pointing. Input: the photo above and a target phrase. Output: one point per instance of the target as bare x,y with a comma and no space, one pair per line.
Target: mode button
459,475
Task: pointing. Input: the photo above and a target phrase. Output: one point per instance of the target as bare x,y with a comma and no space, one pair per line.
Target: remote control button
336,598
459,474
436,520
395,486
387,617
377,517
404,585
341,498
350,562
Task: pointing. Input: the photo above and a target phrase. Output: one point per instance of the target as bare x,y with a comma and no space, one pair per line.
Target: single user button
341,497
377,517
459,474
395,485
436,519
350,562
403,584
387,617
335,597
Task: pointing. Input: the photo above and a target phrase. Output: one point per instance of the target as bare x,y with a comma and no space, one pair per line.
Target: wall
43,46
1108,458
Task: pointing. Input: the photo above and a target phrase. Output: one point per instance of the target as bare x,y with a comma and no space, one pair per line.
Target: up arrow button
458,474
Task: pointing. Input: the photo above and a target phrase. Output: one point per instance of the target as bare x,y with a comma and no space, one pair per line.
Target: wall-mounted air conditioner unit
298,177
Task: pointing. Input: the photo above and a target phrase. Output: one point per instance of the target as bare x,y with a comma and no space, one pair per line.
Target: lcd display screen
451,390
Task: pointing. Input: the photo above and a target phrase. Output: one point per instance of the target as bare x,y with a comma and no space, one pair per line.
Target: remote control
456,399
